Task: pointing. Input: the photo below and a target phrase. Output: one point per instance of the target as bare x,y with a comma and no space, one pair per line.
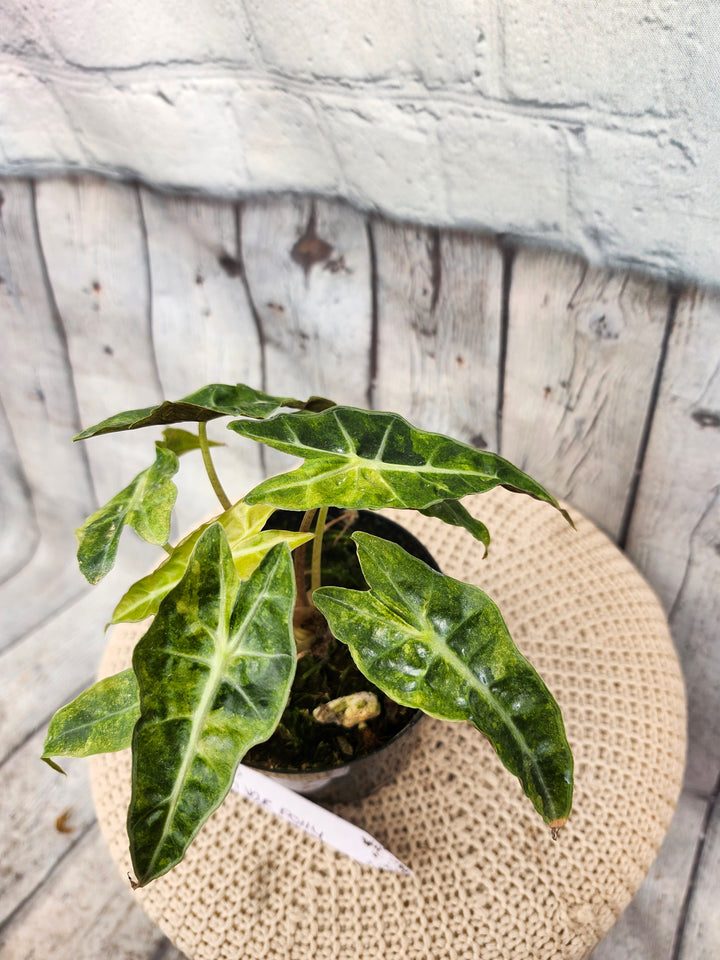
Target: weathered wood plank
19,533
308,270
83,912
646,930
203,329
42,814
37,395
582,354
674,536
92,236
439,315
56,660
307,264
675,527
701,935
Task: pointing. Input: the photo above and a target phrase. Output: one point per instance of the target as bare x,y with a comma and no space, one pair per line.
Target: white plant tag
315,820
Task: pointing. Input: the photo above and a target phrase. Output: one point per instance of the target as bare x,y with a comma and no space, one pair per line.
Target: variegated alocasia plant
211,676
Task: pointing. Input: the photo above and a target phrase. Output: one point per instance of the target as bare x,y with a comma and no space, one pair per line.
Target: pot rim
319,771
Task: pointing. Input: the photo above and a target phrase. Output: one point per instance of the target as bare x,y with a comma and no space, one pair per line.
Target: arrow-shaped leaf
146,504
453,512
214,672
214,400
365,459
243,525
432,642
100,720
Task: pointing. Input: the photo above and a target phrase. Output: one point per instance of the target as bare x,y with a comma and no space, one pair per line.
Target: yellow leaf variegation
441,645
99,720
145,504
214,673
243,525
364,459
211,676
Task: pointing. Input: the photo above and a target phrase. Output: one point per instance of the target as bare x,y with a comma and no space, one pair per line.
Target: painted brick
368,40
635,199
622,56
133,32
22,32
283,142
205,133
34,129
493,167
591,125
389,157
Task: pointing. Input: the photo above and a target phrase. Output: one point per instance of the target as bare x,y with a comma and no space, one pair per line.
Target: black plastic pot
356,778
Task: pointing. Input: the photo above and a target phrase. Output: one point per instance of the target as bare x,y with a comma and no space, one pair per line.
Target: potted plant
236,620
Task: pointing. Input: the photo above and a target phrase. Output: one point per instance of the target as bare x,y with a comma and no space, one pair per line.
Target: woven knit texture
489,883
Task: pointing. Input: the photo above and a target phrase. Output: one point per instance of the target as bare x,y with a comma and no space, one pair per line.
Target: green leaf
432,642
100,720
365,459
214,400
453,512
248,543
214,671
146,504
183,441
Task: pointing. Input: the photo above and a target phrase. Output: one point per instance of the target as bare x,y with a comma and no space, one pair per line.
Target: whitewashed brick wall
589,124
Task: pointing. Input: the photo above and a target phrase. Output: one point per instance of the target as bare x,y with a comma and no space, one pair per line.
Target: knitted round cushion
488,881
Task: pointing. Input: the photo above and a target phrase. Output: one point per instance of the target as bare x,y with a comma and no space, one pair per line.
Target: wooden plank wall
603,384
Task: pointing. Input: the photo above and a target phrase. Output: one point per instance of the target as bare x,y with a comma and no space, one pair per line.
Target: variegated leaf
435,643
214,672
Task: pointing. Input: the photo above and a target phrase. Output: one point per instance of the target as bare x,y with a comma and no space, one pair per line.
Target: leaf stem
210,467
316,569
303,601
167,548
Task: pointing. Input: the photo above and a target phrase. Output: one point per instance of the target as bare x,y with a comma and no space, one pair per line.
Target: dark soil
327,671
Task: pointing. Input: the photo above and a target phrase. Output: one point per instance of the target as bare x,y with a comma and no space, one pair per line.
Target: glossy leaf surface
214,672
183,441
432,642
214,400
100,720
145,505
248,543
453,512
365,459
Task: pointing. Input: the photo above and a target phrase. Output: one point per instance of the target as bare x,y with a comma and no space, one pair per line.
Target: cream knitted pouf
488,883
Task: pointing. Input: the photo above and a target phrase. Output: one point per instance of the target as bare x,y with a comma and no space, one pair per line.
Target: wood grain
701,934
675,532
307,264
582,354
203,331
84,911
439,313
57,660
92,236
19,533
646,930
37,394
42,814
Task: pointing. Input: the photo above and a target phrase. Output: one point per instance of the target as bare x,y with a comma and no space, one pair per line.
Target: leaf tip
55,766
555,827
568,517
